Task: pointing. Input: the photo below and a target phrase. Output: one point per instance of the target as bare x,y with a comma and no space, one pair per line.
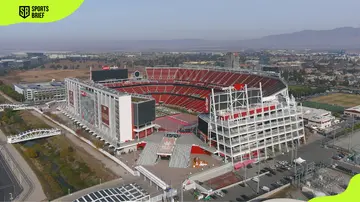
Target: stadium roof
129,192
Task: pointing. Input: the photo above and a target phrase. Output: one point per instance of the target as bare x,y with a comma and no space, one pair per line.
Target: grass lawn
340,99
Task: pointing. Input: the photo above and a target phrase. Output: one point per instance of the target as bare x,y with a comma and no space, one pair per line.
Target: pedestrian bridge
33,134
13,107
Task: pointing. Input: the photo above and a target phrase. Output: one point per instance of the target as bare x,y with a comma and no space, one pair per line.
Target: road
32,187
9,187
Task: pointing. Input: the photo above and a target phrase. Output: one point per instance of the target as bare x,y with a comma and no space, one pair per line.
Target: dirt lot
43,75
340,99
77,64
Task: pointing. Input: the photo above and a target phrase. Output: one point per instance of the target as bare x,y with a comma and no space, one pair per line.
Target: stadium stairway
149,155
181,156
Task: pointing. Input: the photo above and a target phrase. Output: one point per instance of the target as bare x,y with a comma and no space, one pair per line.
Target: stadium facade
106,112
244,125
242,114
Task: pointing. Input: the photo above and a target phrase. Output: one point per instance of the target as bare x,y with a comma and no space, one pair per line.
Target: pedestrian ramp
181,156
149,155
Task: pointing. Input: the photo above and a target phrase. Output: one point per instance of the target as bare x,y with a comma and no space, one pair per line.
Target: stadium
187,118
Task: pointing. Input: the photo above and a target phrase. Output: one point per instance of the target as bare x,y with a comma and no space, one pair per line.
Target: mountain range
339,38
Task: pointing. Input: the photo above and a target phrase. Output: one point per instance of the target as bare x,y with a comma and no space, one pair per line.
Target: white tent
299,160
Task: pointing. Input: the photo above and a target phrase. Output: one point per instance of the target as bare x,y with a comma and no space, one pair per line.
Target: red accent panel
272,107
105,114
142,144
266,109
238,86
236,116
141,134
252,112
198,150
243,113
258,110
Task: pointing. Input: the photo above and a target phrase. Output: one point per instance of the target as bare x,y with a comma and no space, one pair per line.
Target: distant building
353,111
8,63
318,118
232,60
41,92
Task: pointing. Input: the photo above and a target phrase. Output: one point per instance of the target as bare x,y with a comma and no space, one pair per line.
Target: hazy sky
206,19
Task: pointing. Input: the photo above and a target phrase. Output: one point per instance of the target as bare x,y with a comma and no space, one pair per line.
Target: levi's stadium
196,119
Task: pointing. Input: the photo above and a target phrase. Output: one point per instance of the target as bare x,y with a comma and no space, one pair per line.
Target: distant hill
345,37
339,38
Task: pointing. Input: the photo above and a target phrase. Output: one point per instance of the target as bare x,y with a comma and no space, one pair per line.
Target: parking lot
312,152
276,176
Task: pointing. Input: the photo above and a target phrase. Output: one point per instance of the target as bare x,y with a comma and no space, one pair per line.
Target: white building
244,125
106,112
41,92
318,118
353,111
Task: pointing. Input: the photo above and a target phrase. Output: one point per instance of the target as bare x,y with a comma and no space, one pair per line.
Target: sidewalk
32,189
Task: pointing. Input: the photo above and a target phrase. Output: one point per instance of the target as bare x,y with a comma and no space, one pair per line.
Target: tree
31,153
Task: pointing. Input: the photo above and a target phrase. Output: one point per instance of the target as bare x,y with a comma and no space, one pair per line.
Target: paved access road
32,190
9,187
